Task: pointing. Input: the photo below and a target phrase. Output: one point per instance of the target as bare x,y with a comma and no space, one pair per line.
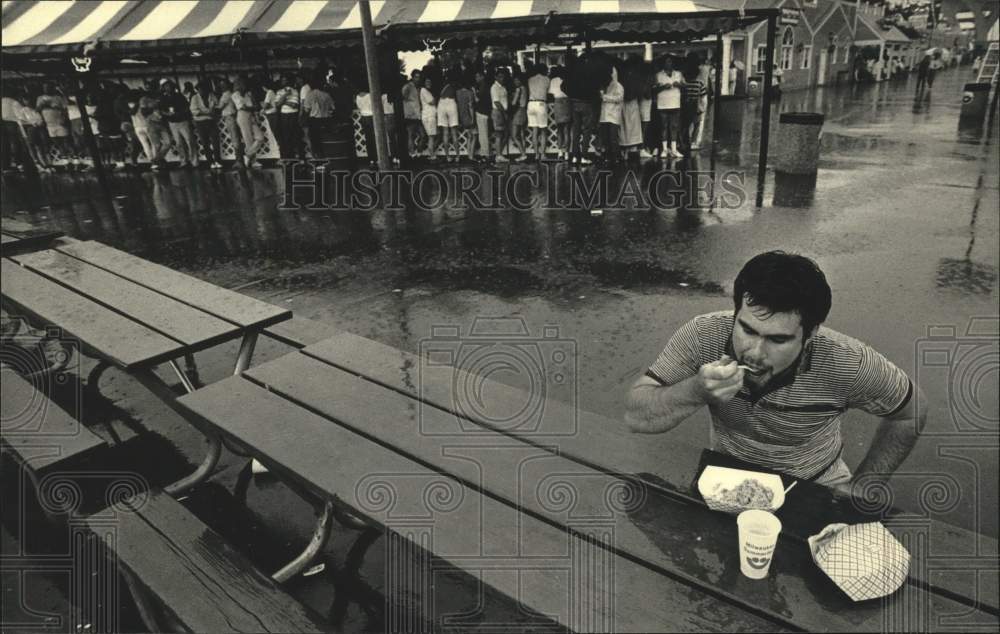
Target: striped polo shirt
793,424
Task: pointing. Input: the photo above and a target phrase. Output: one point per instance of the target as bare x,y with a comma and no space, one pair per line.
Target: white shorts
646,110
538,114
447,115
429,118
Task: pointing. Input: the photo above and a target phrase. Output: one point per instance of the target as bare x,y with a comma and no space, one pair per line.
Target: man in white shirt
668,105
500,114
612,98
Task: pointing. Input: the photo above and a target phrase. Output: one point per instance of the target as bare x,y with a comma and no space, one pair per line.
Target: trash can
797,143
975,100
731,110
338,146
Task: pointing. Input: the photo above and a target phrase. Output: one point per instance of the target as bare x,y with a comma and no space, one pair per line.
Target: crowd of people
618,107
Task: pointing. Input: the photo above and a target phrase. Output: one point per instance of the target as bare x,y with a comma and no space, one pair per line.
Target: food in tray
749,494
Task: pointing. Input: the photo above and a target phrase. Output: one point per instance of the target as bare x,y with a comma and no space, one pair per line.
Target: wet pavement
902,217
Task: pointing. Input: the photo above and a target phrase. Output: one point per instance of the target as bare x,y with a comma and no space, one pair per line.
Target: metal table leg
160,389
319,537
246,352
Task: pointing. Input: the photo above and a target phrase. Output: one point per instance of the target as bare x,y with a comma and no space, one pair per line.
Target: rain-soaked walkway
902,217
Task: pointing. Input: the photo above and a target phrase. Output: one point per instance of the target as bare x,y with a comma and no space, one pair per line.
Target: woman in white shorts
447,118
428,116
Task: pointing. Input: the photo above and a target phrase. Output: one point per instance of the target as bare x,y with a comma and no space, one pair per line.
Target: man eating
777,383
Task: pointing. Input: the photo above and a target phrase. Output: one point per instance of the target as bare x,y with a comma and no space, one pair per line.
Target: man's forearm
890,447
653,409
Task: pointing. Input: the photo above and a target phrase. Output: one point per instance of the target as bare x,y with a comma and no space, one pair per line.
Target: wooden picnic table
133,314
584,527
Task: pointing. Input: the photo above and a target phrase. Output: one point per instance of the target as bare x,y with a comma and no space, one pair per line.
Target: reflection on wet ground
902,216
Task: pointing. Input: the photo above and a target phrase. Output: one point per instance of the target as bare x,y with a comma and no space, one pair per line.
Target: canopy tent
53,27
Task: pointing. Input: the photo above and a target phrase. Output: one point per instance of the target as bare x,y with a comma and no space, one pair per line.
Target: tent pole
765,121
374,89
88,135
717,90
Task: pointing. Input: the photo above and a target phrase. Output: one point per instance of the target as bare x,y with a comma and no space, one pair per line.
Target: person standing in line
484,112
415,136
612,100
734,78
318,110
123,111
428,117
289,130
561,114
465,101
631,125
227,110
668,105
706,75
363,102
692,92
204,105
177,112
53,108
156,128
519,118
538,109
269,108
447,116
246,119
499,114
35,135
13,152
583,89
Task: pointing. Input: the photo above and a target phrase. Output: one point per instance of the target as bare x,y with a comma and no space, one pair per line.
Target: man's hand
719,381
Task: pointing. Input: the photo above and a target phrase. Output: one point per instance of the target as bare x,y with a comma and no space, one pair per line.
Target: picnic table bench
349,406
134,315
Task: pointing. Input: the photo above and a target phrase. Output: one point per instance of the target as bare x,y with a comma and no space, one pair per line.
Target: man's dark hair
784,283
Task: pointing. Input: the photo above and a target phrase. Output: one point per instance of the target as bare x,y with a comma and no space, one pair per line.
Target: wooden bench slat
470,533
606,444
172,318
225,304
195,573
38,431
501,466
117,338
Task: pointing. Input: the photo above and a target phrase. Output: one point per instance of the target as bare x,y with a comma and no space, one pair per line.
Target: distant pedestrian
484,112
35,134
227,111
631,126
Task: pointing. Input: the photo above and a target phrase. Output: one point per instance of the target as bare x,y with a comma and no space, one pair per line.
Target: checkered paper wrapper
864,560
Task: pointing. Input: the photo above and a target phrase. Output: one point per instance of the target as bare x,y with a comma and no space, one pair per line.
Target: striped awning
51,25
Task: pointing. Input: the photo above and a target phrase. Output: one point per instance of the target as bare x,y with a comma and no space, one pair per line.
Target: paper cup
758,532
